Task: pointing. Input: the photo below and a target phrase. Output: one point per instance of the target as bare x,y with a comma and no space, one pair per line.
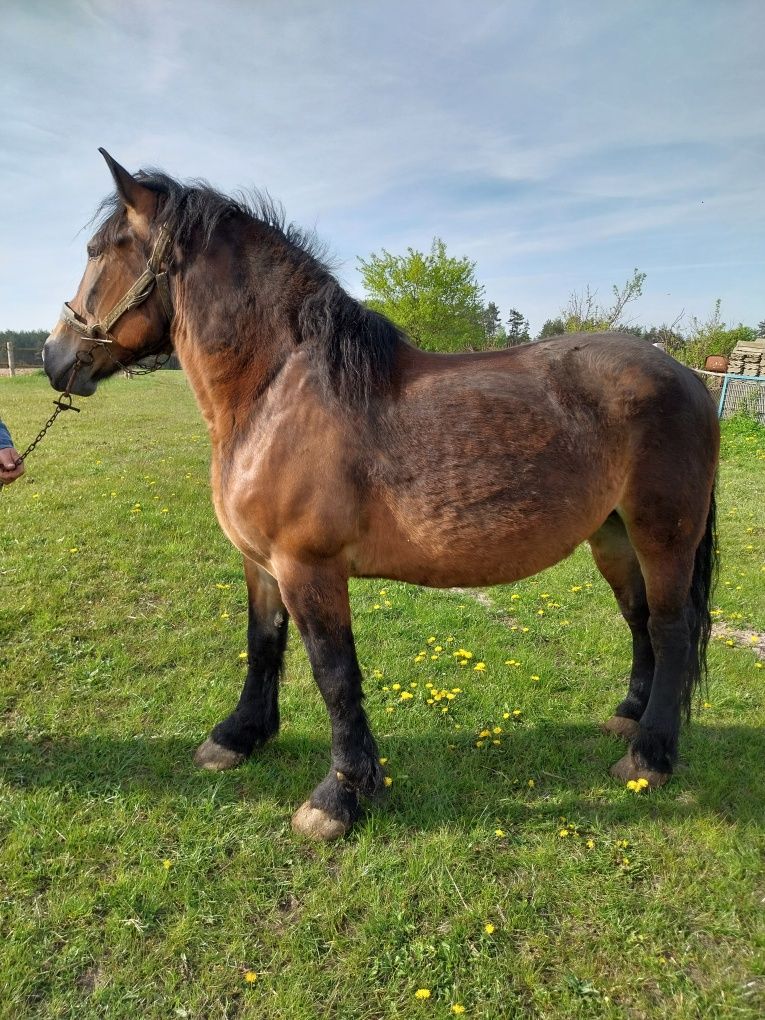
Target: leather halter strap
136,295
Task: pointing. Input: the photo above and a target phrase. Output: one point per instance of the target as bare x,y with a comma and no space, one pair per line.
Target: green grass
117,659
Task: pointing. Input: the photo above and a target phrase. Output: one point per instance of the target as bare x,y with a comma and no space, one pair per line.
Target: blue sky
557,144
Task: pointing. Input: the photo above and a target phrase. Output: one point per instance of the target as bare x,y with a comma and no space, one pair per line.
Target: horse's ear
140,201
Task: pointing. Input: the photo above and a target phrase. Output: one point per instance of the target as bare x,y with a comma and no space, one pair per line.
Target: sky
556,144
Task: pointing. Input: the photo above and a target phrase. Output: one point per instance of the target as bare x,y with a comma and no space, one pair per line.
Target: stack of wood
748,359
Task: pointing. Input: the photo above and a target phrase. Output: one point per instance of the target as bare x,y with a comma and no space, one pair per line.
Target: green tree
552,327
434,298
492,326
585,313
517,328
761,328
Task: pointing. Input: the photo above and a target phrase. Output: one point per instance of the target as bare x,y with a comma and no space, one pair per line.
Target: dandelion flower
250,977
383,761
499,833
422,993
167,864
388,781
243,655
531,784
458,1008
489,928
563,833
590,844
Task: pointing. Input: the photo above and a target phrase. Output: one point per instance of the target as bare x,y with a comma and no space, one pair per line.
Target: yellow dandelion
395,687
383,761
250,977
563,833
431,640
758,665
243,655
590,844
458,1008
422,993
224,615
514,598
531,784
406,696
517,713
489,928
479,667
74,549
499,833
388,781
534,676
485,733
167,864
505,715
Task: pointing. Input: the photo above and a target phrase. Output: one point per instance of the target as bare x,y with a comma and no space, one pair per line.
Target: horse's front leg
317,598
256,716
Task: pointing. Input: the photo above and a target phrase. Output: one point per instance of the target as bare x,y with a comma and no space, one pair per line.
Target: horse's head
122,309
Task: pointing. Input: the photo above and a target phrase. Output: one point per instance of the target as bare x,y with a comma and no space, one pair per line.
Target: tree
552,327
584,313
492,325
517,328
434,298
761,328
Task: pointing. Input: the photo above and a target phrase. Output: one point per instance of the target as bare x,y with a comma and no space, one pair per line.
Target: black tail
699,617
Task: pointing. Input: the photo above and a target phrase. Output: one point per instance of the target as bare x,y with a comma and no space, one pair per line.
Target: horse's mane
354,346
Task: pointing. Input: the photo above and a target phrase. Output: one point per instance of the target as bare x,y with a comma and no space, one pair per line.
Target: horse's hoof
632,767
213,756
316,824
622,727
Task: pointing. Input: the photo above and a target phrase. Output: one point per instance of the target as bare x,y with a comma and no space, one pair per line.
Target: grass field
512,879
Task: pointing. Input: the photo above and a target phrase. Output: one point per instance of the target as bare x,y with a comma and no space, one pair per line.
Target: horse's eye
93,252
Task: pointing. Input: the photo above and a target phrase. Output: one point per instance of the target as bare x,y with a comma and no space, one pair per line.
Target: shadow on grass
438,779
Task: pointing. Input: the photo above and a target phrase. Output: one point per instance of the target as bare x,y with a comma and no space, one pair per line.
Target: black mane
354,346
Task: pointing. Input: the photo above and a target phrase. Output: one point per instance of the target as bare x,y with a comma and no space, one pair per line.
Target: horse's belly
472,551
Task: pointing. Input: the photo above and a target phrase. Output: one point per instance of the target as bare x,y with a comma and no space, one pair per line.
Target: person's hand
11,466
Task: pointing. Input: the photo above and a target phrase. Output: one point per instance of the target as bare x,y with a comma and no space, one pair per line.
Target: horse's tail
699,617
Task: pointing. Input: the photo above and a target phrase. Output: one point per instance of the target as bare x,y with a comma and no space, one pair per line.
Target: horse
339,450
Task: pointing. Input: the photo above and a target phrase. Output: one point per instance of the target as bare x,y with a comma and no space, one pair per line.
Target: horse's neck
230,344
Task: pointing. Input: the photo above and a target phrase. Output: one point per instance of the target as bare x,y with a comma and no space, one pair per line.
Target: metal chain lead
64,402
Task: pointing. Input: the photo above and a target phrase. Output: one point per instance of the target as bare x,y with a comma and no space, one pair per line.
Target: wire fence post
11,358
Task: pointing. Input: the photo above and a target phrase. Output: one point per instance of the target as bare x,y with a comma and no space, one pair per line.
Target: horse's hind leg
616,560
256,716
676,552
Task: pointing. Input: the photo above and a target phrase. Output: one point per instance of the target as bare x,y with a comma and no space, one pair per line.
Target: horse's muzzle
59,364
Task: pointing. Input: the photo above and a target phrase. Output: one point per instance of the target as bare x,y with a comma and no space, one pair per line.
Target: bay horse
341,450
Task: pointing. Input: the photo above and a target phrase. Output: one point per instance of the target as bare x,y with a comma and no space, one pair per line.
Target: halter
100,332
